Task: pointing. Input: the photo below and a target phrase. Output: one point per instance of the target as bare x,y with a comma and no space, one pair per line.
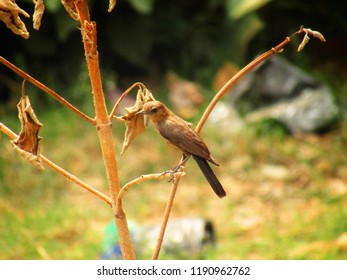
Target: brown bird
181,135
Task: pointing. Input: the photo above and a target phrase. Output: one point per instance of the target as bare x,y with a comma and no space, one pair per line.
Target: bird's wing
180,134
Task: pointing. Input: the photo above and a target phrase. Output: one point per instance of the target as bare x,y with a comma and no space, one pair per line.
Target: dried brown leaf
134,127
28,142
38,13
314,33
111,5
303,42
309,31
318,35
9,14
135,123
69,6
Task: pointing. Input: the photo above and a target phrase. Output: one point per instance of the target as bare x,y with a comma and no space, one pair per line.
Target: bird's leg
182,162
176,168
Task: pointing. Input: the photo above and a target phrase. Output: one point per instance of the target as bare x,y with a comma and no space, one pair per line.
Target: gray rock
276,89
184,236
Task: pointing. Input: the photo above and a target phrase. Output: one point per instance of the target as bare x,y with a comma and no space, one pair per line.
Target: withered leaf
318,35
111,5
135,123
69,6
28,142
314,33
134,127
309,31
303,42
9,14
38,13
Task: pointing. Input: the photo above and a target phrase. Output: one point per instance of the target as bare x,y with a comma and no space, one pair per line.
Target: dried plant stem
225,89
155,176
46,89
166,216
76,180
59,169
103,124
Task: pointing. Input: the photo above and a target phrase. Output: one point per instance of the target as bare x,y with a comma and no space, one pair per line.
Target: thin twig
166,216
125,93
226,88
76,180
155,176
59,169
167,212
46,89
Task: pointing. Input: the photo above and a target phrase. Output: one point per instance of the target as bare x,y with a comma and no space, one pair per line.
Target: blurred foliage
140,38
145,39
269,128
287,196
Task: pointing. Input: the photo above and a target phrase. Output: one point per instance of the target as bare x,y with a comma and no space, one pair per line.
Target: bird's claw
172,172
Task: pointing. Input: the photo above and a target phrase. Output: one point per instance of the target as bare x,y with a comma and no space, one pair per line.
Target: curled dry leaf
111,5
314,33
38,13
9,14
135,123
309,31
318,35
69,6
303,42
28,142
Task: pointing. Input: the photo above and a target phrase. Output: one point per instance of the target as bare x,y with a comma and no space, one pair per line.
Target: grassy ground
287,196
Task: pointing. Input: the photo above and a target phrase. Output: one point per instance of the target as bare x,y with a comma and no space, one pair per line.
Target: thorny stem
103,123
46,89
225,89
57,168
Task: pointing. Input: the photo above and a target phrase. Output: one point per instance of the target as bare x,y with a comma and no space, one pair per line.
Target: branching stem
225,89
155,176
46,89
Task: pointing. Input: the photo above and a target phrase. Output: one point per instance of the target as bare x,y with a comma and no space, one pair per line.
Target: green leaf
246,28
239,8
142,6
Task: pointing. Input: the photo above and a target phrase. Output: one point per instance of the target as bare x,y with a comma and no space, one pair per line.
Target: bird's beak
145,116
140,112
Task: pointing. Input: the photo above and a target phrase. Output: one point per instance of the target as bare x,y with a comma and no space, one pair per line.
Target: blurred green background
287,195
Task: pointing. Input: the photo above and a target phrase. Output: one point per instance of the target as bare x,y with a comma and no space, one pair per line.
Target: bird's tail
210,176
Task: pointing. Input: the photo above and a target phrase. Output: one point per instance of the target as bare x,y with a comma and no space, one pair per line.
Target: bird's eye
154,110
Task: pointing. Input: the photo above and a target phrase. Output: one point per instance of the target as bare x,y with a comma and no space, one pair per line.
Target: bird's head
155,110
